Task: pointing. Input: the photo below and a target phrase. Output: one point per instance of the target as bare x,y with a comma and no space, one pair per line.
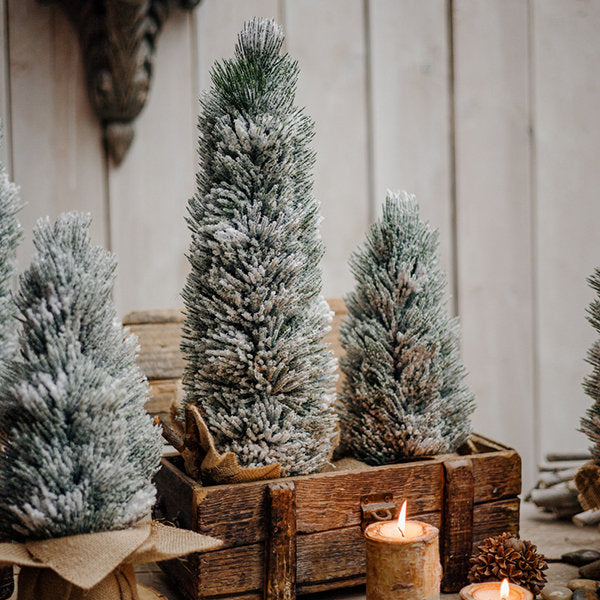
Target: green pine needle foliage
10,235
79,451
256,365
590,424
404,393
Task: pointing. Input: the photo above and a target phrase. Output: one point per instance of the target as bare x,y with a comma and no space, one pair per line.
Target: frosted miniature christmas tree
590,424
10,234
404,393
78,450
256,364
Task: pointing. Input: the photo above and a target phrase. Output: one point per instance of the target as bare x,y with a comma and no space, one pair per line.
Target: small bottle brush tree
404,393
590,424
256,364
10,234
78,450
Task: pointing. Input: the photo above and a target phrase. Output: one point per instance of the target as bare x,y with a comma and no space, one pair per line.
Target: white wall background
486,109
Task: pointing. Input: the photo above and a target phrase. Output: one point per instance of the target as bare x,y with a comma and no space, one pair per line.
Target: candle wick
401,532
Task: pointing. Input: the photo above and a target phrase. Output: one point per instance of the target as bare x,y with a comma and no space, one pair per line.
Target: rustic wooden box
305,533
467,496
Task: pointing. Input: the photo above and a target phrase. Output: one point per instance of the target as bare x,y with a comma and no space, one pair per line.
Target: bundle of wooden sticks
555,490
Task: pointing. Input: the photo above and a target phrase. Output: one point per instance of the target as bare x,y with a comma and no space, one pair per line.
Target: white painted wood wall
486,109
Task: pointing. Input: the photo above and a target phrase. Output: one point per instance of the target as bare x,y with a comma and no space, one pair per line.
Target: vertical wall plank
411,110
494,216
150,189
5,148
566,98
333,88
58,159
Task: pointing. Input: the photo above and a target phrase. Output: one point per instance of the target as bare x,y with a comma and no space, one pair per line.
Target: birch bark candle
403,560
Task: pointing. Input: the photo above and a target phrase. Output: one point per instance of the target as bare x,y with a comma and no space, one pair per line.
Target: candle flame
402,519
504,590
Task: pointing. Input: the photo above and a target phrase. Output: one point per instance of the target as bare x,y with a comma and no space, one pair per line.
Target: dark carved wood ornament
118,40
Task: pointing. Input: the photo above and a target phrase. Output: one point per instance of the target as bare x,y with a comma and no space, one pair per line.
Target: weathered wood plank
232,571
494,216
182,499
328,557
161,315
150,189
280,547
494,518
333,88
497,475
163,392
457,526
566,54
5,117
160,356
333,338
332,500
236,513
184,573
58,159
410,108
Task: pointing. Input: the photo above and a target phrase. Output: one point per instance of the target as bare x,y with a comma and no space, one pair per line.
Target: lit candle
403,560
494,590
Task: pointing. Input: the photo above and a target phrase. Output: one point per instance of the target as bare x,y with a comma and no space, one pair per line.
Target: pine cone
506,556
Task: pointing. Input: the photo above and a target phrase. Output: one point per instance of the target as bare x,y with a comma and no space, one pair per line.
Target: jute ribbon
96,566
204,462
587,481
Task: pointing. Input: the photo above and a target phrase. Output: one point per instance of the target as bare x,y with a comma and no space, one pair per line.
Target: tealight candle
494,590
403,561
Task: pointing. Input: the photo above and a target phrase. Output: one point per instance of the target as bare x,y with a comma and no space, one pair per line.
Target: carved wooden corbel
118,40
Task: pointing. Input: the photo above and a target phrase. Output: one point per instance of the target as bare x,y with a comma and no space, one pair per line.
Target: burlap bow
203,462
96,566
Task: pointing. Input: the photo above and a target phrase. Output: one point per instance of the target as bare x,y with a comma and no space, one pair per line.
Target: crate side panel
497,475
234,513
336,558
333,501
494,518
238,570
183,572
177,496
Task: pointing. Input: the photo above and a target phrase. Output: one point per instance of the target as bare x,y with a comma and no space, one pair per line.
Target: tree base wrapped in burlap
96,566
203,462
587,481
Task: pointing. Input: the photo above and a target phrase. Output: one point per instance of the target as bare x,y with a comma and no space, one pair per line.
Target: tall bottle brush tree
257,367
590,424
78,450
10,235
404,393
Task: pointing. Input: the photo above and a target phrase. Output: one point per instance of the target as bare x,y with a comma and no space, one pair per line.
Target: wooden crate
306,532
468,496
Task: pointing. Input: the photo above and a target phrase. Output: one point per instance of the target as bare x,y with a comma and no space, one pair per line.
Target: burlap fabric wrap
96,566
587,480
204,462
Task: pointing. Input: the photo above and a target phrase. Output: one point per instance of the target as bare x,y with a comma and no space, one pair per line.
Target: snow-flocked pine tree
257,367
404,393
590,424
79,450
10,234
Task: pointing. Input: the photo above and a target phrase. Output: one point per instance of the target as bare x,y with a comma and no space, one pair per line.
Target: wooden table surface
552,537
